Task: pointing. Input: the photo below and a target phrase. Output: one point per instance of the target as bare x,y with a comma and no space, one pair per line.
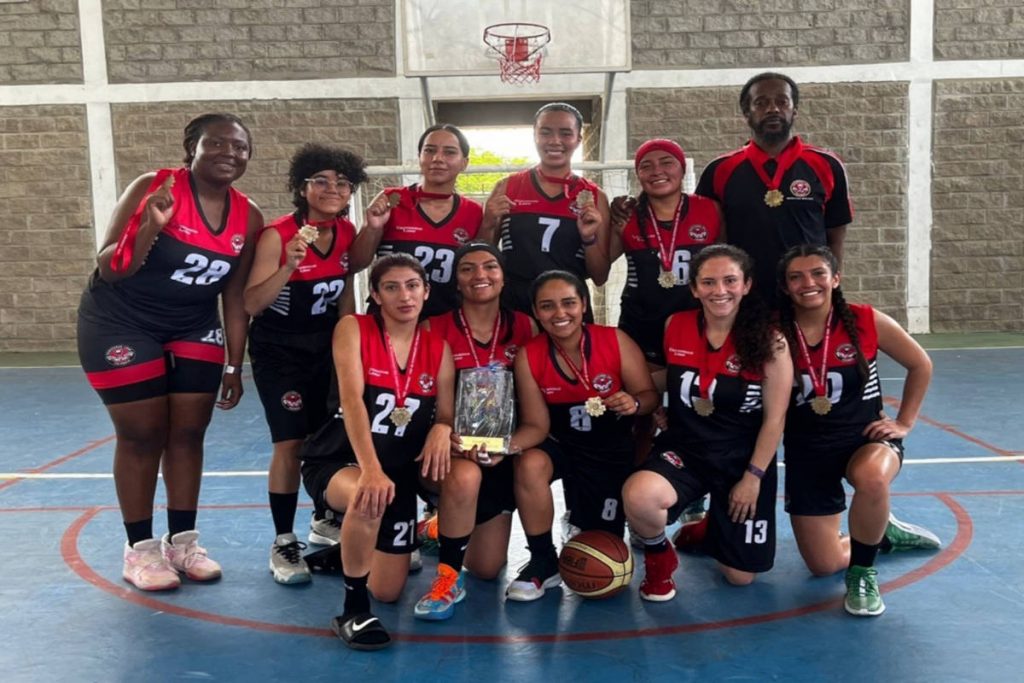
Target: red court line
69,551
61,460
895,403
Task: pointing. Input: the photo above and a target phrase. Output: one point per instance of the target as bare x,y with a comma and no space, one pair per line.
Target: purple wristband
755,470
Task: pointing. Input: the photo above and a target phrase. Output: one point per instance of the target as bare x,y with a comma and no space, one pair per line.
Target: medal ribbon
665,255
817,381
418,194
583,374
711,362
402,392
571,183
472,342
784,161
121,260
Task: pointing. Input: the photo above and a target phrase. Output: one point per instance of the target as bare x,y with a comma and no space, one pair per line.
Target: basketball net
519,50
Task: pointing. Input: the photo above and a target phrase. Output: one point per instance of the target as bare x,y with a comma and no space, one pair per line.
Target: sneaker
690,536
426,534
862,597
146,568
904,536
568,528
286,560
534,578
326,531
184,553
658,585
694,512
439,602
415,561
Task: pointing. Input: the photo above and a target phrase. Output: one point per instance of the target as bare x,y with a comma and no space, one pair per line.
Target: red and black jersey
735,391
514,331
540,233
409,230
644,301
816,199
186,269
855,402
309,300
603,438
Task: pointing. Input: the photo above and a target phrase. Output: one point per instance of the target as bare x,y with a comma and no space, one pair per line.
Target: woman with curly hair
297,290
729,379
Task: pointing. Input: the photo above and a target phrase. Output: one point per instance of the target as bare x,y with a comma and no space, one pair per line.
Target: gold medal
821,405
773,198
400,416
667,279
703,406
595,406
308,233
584,198
394,199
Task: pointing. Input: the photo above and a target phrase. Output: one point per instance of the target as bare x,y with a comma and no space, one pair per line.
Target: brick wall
147,136
191,40
978,202
979,29
39,42
46,235
864,123
682,34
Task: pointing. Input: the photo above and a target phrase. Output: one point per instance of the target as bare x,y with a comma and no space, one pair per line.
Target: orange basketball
595,564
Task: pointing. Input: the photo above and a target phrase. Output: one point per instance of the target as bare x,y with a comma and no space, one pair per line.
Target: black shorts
648,335
593,488
814,477
293,375
397,534
497,494
124,363
747,546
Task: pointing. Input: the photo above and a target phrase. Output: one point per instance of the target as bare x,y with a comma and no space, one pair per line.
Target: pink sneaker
184,553
146,568
658,585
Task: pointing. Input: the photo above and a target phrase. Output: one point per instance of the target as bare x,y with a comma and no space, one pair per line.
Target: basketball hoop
519,49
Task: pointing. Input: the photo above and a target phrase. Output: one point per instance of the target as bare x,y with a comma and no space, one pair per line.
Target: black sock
282,509
139,531
357,597
452,550
541,545
886,545
862,554
180,520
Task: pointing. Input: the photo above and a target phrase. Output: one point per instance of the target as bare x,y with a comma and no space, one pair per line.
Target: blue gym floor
954,615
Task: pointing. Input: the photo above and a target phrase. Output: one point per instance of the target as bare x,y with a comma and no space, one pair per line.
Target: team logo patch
847,353
461,235
120,355
698,233
800,188
672,459
292,401
344,261
603,382
426,381
510,352
733,364
237,242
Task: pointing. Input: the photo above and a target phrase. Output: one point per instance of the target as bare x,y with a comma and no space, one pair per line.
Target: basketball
595,564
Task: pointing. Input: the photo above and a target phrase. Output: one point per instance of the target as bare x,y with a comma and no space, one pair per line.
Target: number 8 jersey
185,271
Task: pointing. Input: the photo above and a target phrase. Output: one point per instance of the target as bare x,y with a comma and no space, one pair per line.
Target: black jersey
815,199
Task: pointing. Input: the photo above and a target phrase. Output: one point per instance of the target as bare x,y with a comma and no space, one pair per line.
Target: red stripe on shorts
133,374
197,351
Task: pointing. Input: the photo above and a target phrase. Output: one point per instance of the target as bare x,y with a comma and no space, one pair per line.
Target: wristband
755,470
230,369
589,243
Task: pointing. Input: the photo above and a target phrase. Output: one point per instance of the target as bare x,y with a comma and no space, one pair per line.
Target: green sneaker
862,597
904,536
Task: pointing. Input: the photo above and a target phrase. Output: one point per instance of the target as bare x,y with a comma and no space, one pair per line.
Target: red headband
663,145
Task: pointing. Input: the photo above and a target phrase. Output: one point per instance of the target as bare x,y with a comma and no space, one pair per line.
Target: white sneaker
146,568
286,561
326,531
568,529
184,553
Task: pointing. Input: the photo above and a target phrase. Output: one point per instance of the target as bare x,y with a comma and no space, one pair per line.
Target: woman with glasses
428,220
297,290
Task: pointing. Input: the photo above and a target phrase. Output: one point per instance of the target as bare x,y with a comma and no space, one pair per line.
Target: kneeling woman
396,384
729,378
583,383
836,427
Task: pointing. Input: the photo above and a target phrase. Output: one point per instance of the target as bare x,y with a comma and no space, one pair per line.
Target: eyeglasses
321,183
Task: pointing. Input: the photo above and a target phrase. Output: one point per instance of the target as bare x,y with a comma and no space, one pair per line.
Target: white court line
256,473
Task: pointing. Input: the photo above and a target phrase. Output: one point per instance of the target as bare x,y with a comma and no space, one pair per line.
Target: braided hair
197,126
753,333
787,315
